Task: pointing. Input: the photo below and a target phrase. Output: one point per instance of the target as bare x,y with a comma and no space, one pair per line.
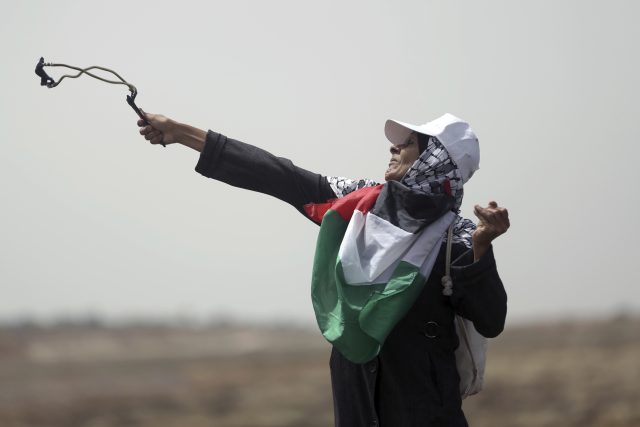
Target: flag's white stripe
372,248
370,245
424,250
430,238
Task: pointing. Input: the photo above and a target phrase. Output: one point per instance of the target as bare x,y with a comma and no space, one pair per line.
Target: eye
404,145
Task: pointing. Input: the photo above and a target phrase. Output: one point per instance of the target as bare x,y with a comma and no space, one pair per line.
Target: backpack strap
461,329
447,265
447,283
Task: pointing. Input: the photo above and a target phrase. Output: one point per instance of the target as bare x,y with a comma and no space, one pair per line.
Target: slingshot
45,80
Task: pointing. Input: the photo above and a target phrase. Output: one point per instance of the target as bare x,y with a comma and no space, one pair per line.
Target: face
402,157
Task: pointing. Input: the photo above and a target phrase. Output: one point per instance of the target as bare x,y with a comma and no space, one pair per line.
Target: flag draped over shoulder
375,249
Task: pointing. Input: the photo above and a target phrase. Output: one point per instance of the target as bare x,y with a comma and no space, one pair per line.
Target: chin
392,176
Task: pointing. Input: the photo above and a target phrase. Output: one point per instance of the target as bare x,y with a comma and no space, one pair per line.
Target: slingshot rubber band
45,80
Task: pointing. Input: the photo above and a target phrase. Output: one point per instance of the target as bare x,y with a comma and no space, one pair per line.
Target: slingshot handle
133,105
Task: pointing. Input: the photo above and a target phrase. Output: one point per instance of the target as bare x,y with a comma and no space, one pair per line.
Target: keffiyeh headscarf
432,173
435,173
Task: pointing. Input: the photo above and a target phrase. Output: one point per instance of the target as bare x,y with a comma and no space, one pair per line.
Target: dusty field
568,374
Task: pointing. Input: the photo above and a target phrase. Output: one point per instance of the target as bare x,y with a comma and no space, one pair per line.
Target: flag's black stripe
410,210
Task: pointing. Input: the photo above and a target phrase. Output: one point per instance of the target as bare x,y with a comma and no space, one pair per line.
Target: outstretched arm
241,165
163,130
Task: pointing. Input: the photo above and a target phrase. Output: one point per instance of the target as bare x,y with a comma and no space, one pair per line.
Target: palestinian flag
375,249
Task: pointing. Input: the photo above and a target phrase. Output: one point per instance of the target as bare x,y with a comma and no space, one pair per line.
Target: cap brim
398,132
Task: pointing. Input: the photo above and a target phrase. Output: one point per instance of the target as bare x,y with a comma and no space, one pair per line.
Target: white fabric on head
455,134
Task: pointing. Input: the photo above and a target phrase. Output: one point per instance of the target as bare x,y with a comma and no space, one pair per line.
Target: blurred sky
95,220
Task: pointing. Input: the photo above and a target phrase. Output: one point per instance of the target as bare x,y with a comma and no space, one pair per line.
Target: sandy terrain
564,374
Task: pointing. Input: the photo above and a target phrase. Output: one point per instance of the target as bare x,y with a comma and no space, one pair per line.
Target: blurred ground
583,374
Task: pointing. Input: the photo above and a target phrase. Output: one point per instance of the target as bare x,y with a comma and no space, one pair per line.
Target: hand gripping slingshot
47,81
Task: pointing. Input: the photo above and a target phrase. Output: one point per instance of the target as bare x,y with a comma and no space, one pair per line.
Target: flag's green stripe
390,302
357,319
324,292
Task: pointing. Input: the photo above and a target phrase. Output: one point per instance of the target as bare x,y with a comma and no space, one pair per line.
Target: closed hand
493,221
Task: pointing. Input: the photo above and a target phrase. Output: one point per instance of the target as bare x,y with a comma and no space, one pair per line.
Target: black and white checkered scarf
432,173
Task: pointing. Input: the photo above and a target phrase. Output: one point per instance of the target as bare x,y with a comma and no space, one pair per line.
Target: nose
394,149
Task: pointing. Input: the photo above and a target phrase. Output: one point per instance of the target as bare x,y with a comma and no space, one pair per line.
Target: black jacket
414,380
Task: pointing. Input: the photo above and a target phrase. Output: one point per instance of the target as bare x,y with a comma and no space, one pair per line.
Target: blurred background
135,292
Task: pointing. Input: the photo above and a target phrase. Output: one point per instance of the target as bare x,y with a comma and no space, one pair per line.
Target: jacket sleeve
478,292
252,168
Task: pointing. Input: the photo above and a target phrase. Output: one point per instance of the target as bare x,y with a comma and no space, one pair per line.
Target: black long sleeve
252,168
478,293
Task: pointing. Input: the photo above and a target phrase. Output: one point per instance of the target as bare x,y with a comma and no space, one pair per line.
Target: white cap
455,134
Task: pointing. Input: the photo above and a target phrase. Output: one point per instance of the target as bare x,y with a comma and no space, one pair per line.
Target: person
408,377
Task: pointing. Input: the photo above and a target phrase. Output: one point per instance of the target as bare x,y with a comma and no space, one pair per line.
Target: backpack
471,353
